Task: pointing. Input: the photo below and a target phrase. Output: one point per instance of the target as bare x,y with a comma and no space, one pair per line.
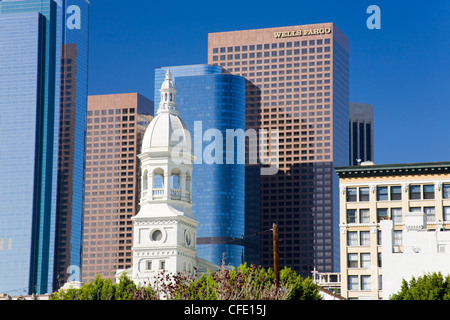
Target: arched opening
175,181
175,189
158,183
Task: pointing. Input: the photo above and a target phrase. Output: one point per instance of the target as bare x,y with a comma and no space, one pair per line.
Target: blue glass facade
210,100
31,40
73,109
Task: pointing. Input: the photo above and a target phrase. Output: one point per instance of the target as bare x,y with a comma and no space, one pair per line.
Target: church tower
164,228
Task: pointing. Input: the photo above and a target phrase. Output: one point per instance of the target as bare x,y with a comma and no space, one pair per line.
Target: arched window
175,181
158,181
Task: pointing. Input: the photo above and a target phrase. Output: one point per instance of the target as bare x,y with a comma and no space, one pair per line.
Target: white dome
161,131
167,130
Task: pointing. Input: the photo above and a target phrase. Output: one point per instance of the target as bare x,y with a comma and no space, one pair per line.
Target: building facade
213,102
297,85
40,234
422,250
372,193
115,126
361,130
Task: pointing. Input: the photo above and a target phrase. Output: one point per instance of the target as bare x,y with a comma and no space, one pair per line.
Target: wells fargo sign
302,33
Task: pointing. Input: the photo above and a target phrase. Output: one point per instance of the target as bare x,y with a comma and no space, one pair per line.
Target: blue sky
403,69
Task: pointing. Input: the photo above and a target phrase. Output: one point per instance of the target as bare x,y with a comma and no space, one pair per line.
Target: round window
157,235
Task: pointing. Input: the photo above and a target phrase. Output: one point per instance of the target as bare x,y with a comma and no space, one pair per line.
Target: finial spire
168,95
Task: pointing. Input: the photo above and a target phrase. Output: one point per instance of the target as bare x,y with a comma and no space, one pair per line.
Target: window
149,265
352,238
351,216
397,238
352,260
446,213
382,193
396,215
429,213
414,192
428,191
162,265
446,191
351,194
396,193
364,194
364,238
365,260
353,283
364,216
366,283
157,235
382,214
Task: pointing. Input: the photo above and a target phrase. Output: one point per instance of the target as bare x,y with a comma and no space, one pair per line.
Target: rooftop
402,169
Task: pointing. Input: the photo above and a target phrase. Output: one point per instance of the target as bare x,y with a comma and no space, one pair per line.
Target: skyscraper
115,126
361,133
213,102
41,227
298,84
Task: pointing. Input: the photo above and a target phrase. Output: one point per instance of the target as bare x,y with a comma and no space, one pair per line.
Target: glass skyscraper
43,97
211,103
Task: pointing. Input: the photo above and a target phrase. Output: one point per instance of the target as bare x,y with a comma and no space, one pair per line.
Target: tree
430,286
242,283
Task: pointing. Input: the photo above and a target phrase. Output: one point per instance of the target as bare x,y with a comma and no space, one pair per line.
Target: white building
416,250
164,235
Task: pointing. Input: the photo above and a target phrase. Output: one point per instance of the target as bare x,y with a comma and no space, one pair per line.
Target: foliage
101,289
430,286
242,283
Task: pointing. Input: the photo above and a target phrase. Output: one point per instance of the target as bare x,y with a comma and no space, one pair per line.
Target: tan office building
297,84
370,193
115,126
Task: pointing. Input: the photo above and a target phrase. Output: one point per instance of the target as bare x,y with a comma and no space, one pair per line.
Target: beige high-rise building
371,193
115,126
297,84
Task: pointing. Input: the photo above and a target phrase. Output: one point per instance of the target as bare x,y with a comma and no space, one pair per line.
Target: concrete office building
43,98
297,84
213,101
361,133
115,127
369,195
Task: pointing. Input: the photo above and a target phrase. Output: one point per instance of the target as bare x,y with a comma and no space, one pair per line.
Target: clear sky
403,69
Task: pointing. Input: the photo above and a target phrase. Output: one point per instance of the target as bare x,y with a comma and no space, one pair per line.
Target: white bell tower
165,229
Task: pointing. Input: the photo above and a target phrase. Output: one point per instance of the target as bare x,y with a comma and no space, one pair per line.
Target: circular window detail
157,235
187,237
